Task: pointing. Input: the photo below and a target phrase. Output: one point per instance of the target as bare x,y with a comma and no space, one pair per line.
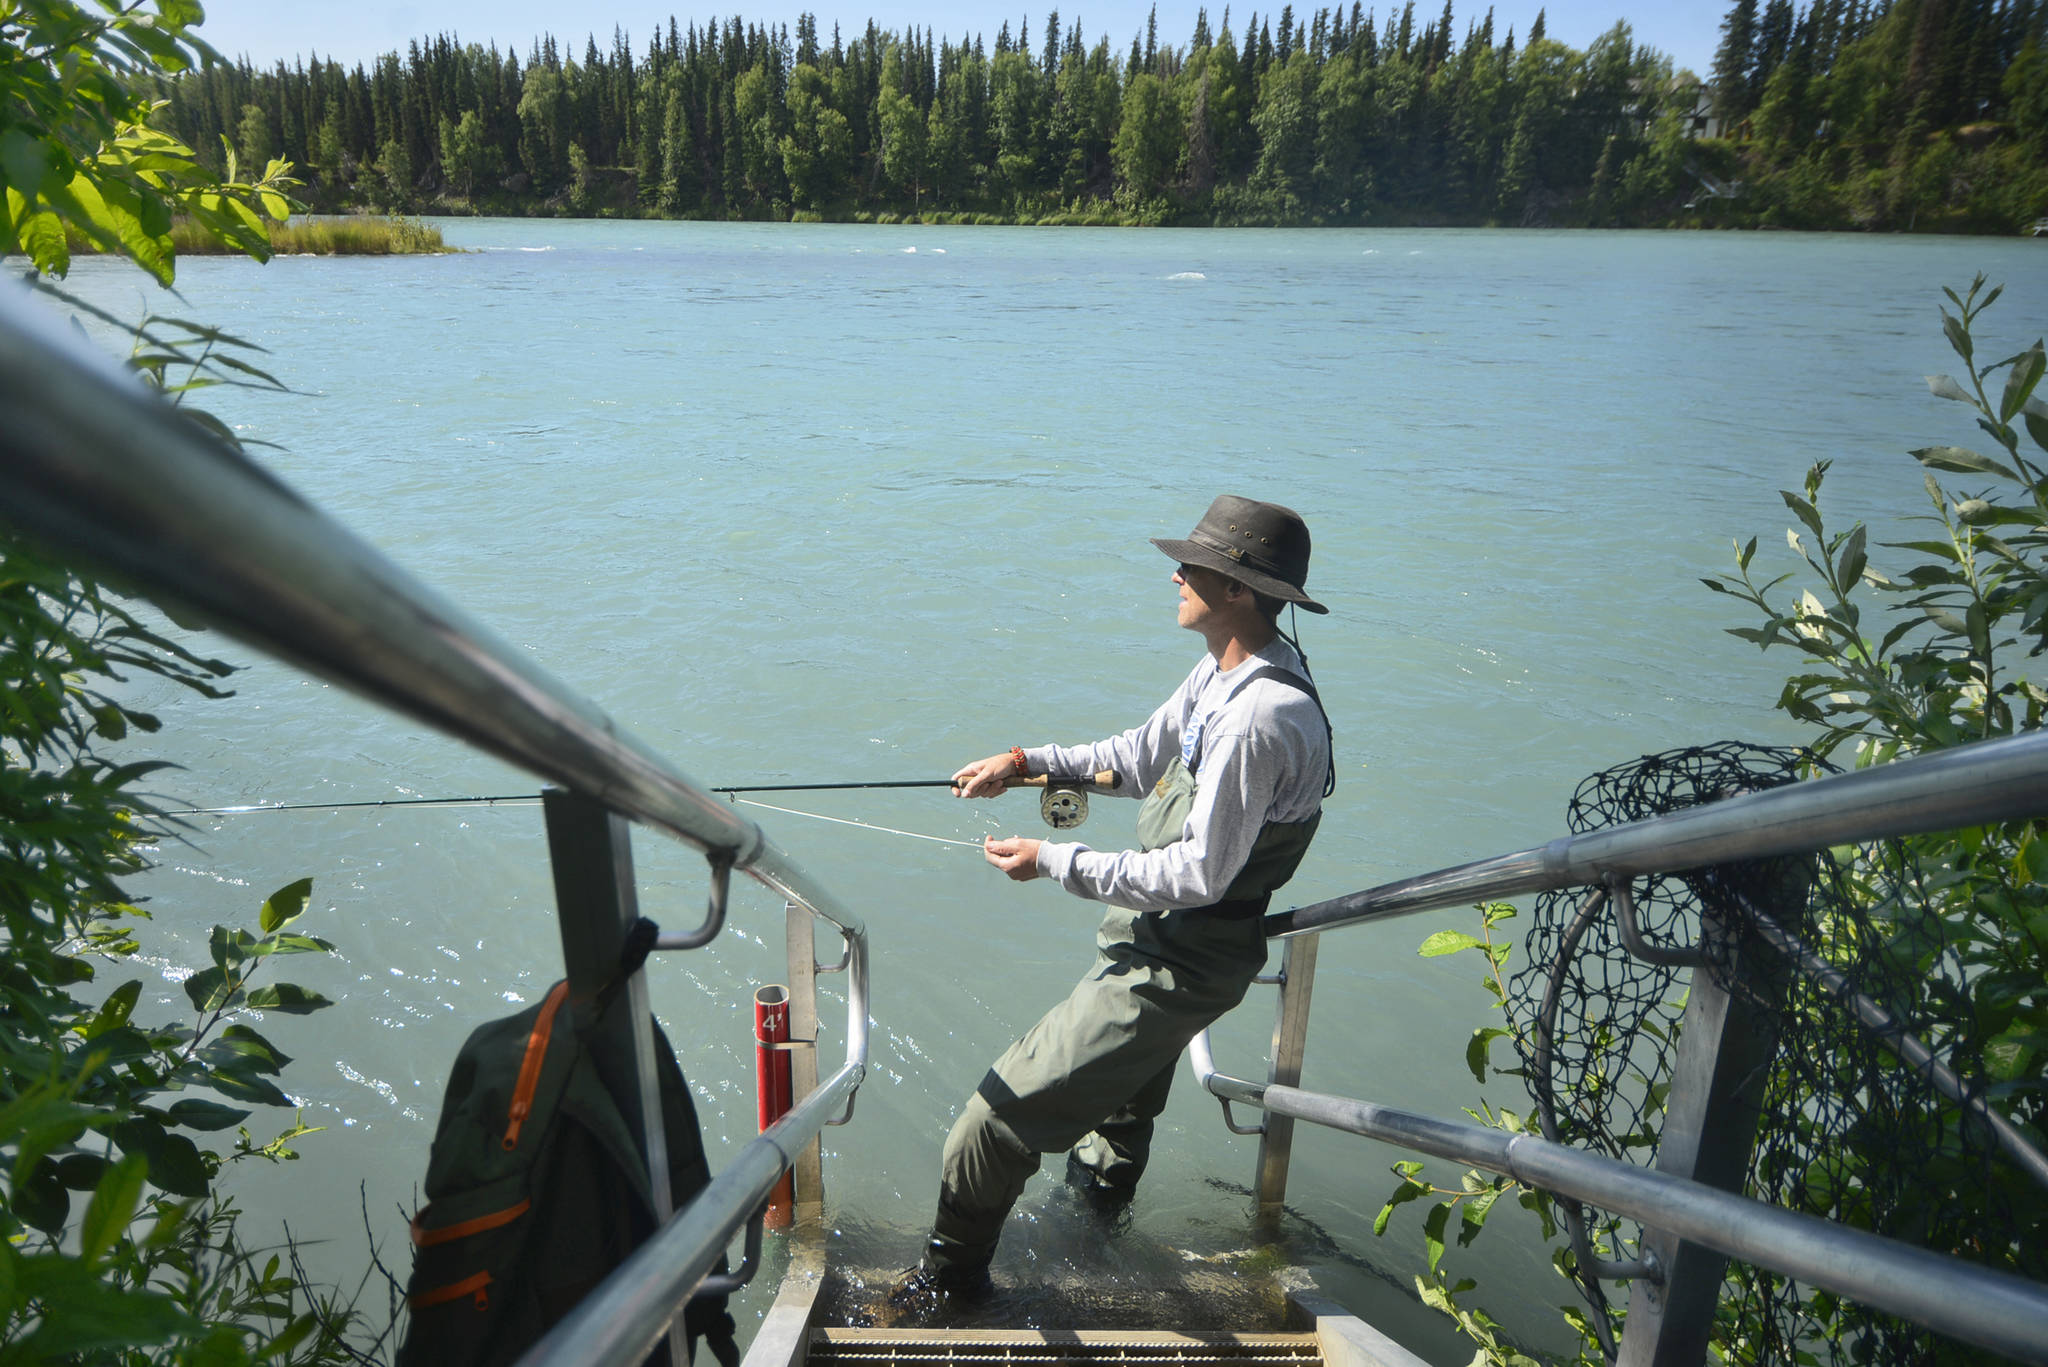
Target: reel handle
1105,782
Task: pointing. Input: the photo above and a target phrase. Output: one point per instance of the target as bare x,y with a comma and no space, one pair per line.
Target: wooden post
802,952
1290,1041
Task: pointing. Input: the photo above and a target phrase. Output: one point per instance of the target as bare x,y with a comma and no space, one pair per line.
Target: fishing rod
1104,782
1063,803
829,787
248,807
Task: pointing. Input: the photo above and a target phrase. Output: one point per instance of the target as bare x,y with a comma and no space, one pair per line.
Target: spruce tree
1827,32
1981,64
1734,62
1924,59
732,160
1773,42
1201,153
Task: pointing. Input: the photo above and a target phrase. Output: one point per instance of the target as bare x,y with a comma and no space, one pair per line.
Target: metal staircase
1306,1330
1037,1347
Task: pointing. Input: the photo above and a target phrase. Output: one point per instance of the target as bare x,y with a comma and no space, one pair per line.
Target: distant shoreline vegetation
340,235
1878,115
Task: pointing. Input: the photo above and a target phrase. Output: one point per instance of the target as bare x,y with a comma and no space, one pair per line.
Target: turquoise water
842,503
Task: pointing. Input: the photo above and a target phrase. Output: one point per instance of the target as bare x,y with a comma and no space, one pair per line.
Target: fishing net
1848,1131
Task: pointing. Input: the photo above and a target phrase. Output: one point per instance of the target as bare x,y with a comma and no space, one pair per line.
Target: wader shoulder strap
1295,681
1285,676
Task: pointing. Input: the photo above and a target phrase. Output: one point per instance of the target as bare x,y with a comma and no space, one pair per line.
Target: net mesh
1847,1130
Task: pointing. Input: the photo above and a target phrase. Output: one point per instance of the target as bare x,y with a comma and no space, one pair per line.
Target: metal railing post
591,850
1290,1041
1718,1072
802,950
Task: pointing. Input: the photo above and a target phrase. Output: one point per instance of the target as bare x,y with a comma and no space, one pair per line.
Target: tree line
1843,113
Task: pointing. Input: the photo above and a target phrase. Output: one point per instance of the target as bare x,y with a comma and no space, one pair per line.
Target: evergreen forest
1889,115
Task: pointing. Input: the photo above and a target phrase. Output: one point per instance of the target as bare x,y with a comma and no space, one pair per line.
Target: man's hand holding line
1015,855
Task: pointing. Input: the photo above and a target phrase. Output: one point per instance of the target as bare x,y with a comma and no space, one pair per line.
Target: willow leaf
1963,461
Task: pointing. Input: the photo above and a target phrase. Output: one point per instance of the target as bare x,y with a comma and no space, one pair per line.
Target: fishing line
246,808
864,825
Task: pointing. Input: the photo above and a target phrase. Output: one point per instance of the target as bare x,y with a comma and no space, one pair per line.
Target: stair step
834,1347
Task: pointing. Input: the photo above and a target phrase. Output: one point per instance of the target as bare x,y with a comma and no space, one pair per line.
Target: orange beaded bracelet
1017,758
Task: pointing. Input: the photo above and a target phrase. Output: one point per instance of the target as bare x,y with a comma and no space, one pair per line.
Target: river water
823,503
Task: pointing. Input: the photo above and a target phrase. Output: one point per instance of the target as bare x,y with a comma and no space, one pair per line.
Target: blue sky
358,30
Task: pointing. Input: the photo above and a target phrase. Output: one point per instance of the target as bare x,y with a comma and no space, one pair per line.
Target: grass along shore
339,235
347,235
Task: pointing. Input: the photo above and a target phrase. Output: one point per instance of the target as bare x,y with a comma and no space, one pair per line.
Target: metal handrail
1973,1304
1970,785
1989,781
625,1317
98,467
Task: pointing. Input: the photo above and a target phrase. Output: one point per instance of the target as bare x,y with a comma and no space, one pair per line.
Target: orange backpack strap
422,1237
478,1286
529,1067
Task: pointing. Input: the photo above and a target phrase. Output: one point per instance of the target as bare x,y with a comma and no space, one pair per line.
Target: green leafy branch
1478,1193
1972,611
1934,678
1963,917
57,636
163,346
94,1103
1473,1199
114,1244
77,151
157,1257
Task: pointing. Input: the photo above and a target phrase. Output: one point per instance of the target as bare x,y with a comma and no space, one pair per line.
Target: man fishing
1234,767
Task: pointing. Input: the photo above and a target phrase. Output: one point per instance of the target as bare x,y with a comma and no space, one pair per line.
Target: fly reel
1063,802
1063,808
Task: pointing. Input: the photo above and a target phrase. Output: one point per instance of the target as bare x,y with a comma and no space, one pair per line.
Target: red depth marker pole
771,1084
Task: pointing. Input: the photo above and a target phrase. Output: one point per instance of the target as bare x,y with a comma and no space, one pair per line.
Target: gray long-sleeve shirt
1264,753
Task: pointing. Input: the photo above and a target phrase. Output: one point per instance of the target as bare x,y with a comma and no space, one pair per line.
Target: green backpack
536,1189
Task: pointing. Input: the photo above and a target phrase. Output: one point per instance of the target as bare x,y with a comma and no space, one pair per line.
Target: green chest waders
1095,1071
1276,853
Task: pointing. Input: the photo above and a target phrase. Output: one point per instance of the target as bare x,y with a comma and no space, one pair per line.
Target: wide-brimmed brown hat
1261,545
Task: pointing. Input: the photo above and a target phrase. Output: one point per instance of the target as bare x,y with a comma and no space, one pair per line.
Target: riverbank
351,235
322,235
1997,192
345,235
